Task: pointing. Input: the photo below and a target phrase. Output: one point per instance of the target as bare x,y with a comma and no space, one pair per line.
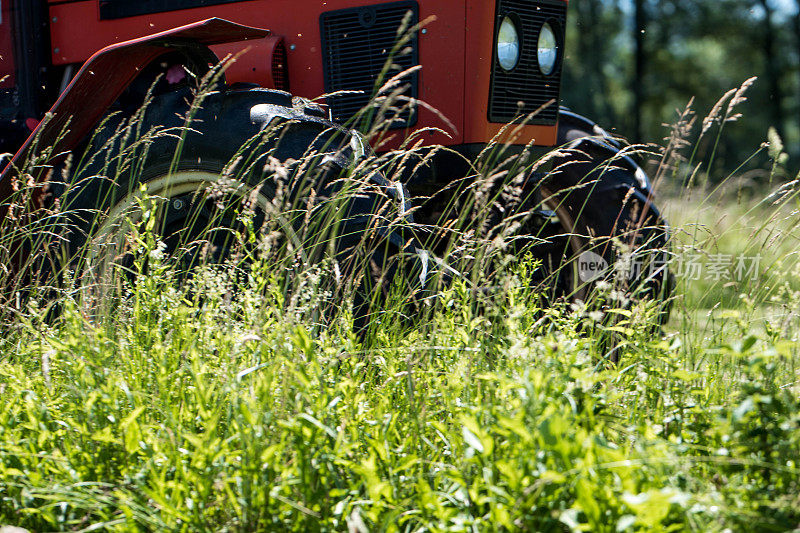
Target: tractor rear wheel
248,160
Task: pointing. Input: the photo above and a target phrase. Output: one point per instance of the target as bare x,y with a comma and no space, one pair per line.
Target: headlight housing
508,45
547,53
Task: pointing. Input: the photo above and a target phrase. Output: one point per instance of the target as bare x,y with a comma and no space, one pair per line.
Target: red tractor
468,77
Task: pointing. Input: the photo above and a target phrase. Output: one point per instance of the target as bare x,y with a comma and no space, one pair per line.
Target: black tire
267,141
605,200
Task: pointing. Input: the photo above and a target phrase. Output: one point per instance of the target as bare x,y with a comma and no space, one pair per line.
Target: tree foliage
691,49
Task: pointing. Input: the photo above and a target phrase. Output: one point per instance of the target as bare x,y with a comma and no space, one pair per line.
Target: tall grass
237,394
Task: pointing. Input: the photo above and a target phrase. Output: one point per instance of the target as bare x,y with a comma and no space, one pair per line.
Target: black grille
115,9
525,89
356,43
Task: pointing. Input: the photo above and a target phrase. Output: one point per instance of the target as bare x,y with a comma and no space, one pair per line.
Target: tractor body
467,74
312,48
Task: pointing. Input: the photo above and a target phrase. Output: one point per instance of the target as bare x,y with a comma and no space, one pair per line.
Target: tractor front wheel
618,239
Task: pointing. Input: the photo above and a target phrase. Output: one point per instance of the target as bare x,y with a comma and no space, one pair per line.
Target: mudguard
580,133
104,77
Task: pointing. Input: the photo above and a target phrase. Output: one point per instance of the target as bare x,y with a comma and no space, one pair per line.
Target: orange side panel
440,49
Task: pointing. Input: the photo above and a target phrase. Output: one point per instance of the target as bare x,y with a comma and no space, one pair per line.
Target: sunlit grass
226,412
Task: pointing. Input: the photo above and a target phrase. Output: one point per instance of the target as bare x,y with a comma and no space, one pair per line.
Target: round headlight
548,49
508,44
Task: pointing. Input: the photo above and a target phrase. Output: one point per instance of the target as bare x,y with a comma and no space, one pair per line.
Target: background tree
634,82
772,69
639,30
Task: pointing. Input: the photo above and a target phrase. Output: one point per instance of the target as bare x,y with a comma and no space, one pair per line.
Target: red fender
102,79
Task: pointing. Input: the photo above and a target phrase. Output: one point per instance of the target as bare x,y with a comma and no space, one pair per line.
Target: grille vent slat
280,76
356,44
525,83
